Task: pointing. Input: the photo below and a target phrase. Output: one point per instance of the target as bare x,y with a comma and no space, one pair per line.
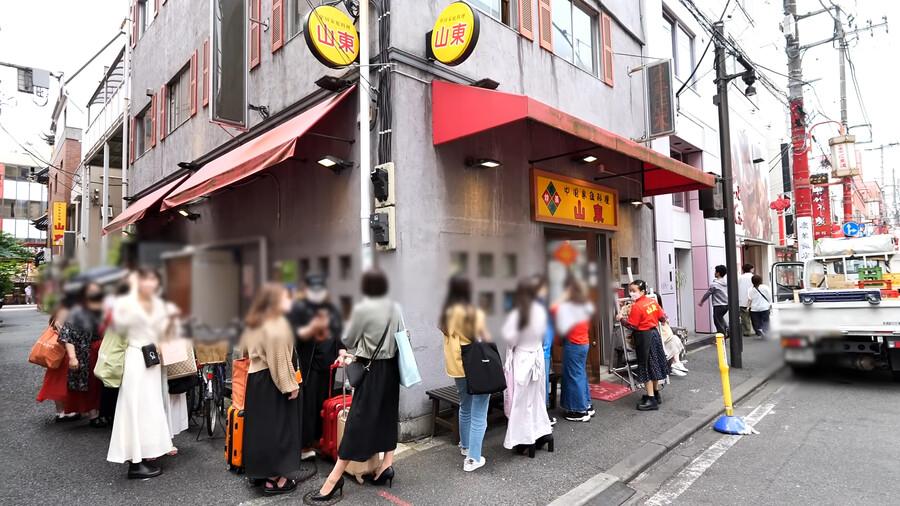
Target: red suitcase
334,414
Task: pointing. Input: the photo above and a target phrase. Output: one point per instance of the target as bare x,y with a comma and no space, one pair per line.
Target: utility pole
802,190
895,210
365,152
846,182
721,100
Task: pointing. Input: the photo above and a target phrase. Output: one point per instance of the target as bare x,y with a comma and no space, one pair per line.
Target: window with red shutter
277,24
134,23
255,34
153,121
163,105
526,18
545,20
205,72
606,36
194,83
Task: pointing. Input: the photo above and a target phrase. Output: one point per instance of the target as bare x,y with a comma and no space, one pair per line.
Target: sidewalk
617,440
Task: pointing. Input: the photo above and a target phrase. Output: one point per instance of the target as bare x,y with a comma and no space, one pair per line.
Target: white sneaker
464,451
678,372
470,464
308,455
680,367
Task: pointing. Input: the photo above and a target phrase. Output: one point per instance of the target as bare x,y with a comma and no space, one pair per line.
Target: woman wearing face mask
81,336
317,324
644,318
141,427
272,411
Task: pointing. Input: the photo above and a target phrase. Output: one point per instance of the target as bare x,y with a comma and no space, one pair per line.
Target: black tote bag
483,368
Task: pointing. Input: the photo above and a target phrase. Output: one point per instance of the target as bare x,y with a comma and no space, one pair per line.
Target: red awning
138,209
460,111
260,153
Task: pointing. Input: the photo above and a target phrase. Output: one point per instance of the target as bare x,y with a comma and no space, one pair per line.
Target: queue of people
293,348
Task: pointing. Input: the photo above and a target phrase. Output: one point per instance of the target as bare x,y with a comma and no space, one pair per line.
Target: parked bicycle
213,350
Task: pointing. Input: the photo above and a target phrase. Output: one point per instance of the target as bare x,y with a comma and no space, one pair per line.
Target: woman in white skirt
141,427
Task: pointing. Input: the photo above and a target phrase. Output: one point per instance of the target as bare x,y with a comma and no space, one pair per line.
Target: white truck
841,307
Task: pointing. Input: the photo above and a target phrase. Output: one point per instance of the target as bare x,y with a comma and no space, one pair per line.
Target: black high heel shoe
387,476
545,440
521,449
338,488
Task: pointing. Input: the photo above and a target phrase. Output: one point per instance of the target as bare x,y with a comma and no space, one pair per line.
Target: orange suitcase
234,440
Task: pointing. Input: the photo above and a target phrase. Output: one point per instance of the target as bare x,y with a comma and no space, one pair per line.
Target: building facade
24,199
524,159
61,180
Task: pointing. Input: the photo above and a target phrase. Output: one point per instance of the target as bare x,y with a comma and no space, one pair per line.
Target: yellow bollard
723,369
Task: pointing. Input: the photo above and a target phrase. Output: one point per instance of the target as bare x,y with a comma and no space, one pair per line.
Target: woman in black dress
272,410
372,423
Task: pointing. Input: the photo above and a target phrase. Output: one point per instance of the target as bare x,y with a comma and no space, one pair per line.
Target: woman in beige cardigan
272,408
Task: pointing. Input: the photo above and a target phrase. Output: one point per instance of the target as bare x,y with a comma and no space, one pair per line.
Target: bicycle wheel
210,413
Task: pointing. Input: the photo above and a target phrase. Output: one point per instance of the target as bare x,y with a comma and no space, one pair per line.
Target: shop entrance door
583,255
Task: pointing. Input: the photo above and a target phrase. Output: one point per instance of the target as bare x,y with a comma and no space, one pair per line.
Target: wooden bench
450,396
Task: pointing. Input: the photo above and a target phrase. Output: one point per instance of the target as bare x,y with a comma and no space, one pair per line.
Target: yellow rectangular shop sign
570,201
59,223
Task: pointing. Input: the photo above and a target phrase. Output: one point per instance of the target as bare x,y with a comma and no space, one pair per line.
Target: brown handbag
185,367
48,351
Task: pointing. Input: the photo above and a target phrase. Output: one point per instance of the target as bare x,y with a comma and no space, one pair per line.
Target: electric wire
705,50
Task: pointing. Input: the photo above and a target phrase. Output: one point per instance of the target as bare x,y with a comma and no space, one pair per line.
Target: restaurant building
520,157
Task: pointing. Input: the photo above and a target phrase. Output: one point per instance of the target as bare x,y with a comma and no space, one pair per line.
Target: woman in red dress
55,386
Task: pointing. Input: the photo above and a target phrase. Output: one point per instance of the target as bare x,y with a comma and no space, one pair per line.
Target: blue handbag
409,370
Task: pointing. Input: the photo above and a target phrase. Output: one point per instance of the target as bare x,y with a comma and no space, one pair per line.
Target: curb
631,466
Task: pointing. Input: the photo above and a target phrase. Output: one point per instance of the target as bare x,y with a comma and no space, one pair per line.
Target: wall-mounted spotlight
334,163
585,158
189,215
482,163
486,83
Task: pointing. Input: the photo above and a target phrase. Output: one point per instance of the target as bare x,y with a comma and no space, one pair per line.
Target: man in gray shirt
718,292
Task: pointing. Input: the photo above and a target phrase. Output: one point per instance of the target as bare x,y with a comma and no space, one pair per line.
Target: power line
705,50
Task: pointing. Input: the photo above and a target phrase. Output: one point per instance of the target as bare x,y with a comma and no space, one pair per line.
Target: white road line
684,479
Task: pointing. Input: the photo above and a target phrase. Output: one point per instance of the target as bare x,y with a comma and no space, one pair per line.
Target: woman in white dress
525,398
141,427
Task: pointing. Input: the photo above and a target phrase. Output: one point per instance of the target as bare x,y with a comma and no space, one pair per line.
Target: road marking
394,499
684,479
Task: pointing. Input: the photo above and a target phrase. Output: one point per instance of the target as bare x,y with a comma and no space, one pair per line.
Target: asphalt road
831,438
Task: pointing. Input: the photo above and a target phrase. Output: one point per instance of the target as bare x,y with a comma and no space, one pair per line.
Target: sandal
272,488
98,423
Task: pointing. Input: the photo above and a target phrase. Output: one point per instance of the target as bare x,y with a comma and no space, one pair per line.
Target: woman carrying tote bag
462,324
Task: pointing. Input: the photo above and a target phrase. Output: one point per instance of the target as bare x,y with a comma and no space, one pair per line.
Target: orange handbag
48,351
239,371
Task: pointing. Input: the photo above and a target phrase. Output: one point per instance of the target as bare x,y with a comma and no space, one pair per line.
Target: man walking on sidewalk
718,291
745,284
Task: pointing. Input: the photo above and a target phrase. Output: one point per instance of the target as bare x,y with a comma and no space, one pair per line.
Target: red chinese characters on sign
822,224
598,213
451,37
344,40
324,35
579,211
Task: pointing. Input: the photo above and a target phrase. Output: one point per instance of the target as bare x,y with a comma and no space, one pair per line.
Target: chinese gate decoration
331,36
455,34
569,201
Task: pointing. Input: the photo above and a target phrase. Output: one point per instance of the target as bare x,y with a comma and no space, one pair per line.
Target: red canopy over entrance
460,111
260,153
138,209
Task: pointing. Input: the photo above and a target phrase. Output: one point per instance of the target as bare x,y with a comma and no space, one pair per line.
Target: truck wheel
896,375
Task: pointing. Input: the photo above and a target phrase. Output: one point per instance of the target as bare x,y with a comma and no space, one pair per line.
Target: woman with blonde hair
272,408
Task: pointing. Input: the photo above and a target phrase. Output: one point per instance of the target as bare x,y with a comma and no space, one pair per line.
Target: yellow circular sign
331,36
455,33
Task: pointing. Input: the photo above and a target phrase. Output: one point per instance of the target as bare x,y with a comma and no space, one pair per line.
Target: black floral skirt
651,356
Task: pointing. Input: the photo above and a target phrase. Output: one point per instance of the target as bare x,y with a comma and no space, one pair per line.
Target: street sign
852,229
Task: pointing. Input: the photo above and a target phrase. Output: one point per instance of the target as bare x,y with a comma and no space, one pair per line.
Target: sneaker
553,421
463,451
680,366
307,455
591,411
678,372
577,416
471,465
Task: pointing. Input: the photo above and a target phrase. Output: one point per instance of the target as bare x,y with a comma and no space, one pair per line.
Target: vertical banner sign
660,101
821,212
804,238
331,36
455,34
59,223
570,201
229,66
